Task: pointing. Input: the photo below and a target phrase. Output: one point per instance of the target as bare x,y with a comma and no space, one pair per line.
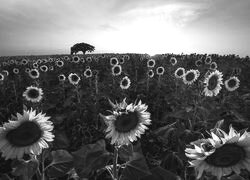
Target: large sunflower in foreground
33,94
221,154
127,123
213,82
25,134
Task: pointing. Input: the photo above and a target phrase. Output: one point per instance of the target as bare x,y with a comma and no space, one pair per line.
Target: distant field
181,108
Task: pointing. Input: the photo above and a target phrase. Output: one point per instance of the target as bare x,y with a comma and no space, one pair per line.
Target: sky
40,27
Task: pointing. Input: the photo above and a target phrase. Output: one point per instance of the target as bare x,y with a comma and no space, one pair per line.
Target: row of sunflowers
68,117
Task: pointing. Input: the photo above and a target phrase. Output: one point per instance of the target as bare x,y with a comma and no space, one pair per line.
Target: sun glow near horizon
147,31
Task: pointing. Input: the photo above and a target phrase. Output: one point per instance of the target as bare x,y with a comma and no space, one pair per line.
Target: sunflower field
125,117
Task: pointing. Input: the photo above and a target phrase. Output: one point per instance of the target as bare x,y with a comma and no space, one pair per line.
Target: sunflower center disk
212,83
232,83
24,135
190,77
226,156
33,93
126,122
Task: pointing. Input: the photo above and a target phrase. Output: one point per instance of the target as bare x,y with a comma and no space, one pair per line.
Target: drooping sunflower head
34,73
151,63
25,134
74,78
33,94
212,83
223,154
179,72
125,83
5,72
160,70
113,61
124,127
190,76
232,83
116,70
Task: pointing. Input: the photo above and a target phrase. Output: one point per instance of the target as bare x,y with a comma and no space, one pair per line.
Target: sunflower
44,68
125,83
16,71
89,59
1,77
213,82
34,73
173,61
59,63
125,125
190,76
208,60
213,66
74,78
24,61
75,59
151,73
116,70
61,77
66,58
12,61
39,61
179,72
88,73
126,57
25,134
33,94
5,72
151,63
35,65
232,83
221,154
160,70
82,60
198,62
27,70
122,60
113,61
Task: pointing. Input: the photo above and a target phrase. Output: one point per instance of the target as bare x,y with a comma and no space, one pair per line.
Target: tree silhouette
84,47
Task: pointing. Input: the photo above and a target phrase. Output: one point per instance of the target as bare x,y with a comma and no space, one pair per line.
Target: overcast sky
33,27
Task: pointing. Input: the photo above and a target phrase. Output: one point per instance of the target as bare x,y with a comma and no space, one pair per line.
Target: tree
84,47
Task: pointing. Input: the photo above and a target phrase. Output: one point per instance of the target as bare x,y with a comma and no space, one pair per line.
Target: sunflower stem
96,84
115,173
147,83
14,87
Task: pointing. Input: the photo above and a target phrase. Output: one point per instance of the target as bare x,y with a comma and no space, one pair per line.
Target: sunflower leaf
91,157
25,169
160,174
61,164
136,168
